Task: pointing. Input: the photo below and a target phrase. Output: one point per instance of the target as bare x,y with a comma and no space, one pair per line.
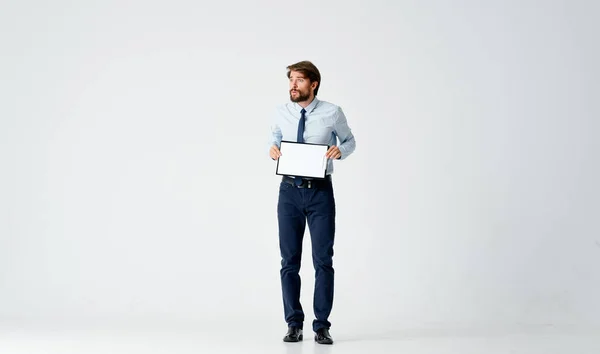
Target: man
310,120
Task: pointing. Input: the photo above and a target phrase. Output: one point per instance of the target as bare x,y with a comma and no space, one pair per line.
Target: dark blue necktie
300,139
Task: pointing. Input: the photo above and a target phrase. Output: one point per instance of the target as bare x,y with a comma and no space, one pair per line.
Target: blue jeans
295,207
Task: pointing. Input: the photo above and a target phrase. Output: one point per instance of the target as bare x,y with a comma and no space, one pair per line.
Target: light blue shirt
325,124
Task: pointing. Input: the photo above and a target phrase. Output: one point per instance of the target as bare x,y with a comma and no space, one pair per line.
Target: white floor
29,339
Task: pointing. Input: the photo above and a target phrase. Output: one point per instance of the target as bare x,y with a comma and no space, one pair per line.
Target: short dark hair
309,70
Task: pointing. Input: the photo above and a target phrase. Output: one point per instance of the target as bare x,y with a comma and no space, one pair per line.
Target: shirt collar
308,108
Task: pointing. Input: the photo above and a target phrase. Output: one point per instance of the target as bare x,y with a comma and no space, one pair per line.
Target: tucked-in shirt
325,123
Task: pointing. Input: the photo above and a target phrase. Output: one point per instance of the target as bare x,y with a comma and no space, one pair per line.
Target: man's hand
333,152
274,152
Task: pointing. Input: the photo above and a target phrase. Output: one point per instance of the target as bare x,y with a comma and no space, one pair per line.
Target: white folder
302,159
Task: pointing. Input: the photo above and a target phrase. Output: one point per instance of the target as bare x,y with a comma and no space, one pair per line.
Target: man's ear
314,84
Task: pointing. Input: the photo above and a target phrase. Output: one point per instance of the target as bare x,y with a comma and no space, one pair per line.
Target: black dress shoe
294,334
323,337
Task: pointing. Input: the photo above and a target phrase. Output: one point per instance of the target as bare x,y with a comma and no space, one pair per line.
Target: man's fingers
275,153
333,152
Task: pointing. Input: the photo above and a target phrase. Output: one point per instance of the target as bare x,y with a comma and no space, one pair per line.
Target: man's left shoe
323,337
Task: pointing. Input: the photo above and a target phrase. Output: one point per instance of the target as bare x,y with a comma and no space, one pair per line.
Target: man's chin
298,98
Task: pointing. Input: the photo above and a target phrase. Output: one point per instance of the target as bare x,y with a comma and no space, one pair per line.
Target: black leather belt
308,183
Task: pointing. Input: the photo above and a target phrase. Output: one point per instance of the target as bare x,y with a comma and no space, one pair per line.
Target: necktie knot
303,111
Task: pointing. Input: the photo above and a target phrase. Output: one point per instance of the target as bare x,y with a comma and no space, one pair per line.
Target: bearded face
301,88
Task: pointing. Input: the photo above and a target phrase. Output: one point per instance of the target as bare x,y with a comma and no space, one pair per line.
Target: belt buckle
307,183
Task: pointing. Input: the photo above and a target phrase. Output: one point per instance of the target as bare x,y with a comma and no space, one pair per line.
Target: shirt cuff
342,151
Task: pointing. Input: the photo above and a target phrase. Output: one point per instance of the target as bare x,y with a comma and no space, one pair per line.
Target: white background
135,183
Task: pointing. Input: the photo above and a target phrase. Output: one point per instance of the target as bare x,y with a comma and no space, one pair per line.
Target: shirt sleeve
275,136
344,134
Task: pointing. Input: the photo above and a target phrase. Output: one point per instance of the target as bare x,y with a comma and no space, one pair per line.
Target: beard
302,96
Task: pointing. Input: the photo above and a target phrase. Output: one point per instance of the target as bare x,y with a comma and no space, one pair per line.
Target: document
302,159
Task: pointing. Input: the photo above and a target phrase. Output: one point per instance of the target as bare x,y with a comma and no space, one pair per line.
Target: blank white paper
306,160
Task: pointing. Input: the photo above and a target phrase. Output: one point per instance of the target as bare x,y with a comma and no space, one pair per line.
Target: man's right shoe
294,334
